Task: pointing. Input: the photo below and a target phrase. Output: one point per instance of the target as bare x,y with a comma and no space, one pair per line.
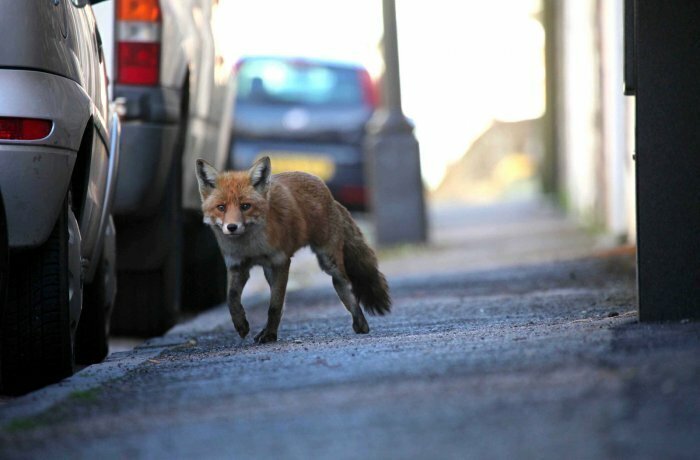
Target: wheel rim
75,277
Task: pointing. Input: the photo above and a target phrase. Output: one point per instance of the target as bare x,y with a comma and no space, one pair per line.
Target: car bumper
34,175
34,182
344,176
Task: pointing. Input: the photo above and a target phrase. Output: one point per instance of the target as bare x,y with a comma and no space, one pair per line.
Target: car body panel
153,117
33,195
42,45
180,42
147,153
35,174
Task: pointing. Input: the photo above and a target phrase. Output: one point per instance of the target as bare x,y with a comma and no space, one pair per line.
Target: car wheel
204,277
39,315
92,335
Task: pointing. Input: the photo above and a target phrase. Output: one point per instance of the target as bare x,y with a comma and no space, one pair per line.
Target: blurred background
510,98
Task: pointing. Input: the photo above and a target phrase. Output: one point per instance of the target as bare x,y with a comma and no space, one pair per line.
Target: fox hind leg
334,267
344,291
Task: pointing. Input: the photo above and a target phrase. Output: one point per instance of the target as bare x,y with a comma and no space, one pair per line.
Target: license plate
318,165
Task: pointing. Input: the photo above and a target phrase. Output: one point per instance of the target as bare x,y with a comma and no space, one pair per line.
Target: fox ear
260,174
206,176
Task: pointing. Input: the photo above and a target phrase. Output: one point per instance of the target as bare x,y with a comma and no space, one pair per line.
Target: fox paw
266,336
360,327
242,328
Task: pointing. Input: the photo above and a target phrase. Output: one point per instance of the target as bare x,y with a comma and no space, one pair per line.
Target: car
176,90
59,157
305,114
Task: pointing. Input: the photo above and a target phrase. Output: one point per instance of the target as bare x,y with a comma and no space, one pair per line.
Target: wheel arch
80,177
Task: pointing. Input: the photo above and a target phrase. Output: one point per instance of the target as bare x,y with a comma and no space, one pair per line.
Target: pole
392,155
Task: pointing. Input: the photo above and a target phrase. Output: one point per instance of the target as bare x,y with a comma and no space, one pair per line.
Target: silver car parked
58,165
167,67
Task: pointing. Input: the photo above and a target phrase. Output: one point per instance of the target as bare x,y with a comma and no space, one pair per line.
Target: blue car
306,115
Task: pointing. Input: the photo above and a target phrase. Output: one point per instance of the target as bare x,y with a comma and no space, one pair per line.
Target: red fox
263,219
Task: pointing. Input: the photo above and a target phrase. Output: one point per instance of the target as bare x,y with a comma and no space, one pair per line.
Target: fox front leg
276,276
237,277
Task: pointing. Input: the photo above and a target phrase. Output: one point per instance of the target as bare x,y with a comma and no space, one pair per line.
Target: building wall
579,124
592,120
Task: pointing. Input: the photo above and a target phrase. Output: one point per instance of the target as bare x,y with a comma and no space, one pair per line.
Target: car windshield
274,81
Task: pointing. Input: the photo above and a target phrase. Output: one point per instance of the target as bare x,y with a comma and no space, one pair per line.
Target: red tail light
138,63
24,129
369,89
138,42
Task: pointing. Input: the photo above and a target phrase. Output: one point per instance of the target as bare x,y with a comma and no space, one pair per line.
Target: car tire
148,301
204,277
37,339
92,335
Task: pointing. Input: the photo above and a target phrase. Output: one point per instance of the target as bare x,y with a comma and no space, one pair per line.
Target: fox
263,219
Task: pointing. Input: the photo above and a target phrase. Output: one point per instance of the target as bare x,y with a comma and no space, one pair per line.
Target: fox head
234,201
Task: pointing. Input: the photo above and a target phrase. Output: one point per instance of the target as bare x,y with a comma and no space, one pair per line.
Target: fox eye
221,207
245,206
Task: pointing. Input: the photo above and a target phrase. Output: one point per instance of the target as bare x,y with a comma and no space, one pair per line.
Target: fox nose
232,227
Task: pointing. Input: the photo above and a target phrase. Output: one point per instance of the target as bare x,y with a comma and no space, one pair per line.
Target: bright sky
463,63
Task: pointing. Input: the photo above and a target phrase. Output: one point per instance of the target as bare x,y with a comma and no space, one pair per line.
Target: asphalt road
538,360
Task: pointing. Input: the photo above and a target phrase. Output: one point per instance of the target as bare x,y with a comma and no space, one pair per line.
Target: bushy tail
368,283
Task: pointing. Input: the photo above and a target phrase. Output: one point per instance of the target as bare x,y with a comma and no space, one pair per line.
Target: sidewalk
466,238
513,335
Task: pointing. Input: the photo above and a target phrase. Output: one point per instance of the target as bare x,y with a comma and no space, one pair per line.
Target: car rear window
274,81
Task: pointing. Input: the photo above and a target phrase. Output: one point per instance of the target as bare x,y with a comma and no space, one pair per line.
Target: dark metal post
662,71
392,156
